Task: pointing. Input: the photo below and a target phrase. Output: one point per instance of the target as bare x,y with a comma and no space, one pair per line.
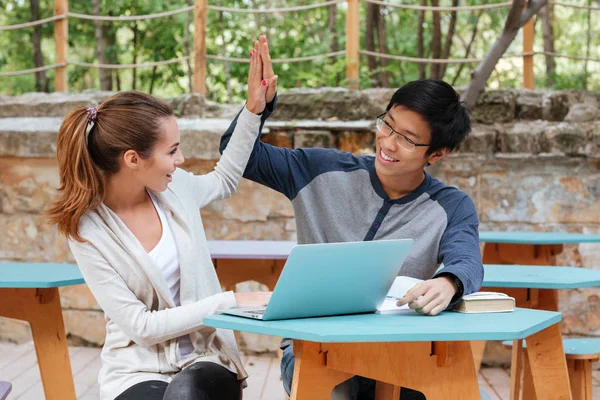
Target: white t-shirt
165,255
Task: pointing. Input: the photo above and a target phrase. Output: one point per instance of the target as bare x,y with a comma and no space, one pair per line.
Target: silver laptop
332,279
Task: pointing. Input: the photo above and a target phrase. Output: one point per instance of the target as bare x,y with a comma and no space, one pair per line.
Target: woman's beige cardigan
142,320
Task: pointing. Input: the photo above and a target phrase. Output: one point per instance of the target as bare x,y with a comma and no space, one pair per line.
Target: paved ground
18,365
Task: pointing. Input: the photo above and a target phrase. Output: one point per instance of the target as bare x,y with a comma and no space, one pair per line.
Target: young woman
133,223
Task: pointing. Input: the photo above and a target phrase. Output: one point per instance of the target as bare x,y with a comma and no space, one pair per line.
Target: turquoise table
242,260
540,238
533,287
535,277
531,248
429,354
29,292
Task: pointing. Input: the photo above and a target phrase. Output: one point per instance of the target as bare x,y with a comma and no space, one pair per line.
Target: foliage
294,34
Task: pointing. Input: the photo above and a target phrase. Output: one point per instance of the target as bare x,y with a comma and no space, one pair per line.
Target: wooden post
199,77
528,31
352,44
61,44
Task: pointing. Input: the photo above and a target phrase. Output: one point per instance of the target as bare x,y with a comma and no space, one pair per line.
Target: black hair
439,105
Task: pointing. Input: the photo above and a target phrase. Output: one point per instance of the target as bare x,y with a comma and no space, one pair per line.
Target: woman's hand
252,299
268,73
257,86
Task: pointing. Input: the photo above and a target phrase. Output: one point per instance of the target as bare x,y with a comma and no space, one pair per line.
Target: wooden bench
580,354
5,388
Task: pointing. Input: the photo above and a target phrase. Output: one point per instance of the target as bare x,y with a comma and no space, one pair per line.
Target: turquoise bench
580,354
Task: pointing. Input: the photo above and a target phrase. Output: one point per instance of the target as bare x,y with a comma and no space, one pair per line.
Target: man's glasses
403,141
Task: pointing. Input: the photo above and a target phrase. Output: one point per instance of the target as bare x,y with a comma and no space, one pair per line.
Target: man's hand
267,66
430,297
257,85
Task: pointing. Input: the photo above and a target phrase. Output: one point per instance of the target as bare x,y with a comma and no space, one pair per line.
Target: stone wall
531,163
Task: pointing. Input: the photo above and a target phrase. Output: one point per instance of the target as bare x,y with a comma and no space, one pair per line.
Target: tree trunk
449,39
110,39
436,42
152,78
109,35
135,54
587,46
468,48
548,33
333,37
41,81
370,39
105,74
517,17
331,18
420,39
226,64
186,44
381,40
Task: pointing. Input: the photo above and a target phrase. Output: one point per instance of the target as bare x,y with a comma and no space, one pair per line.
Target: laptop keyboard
260,312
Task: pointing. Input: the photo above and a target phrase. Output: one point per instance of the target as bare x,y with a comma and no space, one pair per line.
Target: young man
340,197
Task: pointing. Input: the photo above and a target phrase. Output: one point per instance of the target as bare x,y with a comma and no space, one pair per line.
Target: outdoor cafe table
249,260
536,289
241,260
529,248
529,284
29,292
431,355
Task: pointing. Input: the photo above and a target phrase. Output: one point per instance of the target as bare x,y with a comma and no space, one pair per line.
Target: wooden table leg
515,369
580,376
313,380
440,370
386,391
548,364
477,348
524,254
41,308
528,386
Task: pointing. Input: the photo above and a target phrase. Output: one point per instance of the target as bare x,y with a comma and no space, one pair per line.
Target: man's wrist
451,282
455,282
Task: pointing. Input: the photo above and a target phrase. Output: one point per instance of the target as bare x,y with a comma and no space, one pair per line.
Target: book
478,302
485,302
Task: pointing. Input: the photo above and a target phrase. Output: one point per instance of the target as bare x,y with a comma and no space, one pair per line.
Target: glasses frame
409,140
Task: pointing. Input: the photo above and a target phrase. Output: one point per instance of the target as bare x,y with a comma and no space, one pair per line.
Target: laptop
332,279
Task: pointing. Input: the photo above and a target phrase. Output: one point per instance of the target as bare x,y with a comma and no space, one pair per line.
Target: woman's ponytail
81,181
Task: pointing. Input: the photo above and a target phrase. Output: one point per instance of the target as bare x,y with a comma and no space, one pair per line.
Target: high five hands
262,81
